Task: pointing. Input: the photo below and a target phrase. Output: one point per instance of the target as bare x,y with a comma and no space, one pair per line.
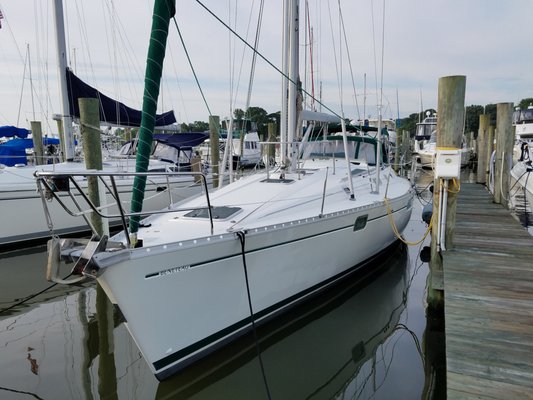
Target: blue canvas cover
14,151
13,131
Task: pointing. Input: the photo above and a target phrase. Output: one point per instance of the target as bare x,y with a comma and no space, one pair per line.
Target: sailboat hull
23,220
184,300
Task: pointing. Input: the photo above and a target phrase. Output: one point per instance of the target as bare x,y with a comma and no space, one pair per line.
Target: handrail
50,179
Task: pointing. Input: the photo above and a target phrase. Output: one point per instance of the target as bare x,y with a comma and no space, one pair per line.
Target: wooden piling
398,152
92,152
504,152
490,150
482,148
37,135
271,151
214,129
406,147
451,110
196,166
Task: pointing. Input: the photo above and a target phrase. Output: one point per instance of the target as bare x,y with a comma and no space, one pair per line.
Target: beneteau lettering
174,270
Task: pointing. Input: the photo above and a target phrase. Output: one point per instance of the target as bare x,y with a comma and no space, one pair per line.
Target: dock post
406,149
61,133
271,148
482,148
451,99
490,150
37,135
92,152
504,152
214,129
398,152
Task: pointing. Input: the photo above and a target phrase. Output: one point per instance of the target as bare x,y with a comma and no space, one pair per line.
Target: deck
488,289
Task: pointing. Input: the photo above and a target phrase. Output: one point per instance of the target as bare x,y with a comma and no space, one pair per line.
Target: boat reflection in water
323,349
58,346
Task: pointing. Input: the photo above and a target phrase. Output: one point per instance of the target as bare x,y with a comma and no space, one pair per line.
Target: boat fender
54,260
427,213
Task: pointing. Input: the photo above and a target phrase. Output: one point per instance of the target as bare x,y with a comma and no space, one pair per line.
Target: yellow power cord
395,228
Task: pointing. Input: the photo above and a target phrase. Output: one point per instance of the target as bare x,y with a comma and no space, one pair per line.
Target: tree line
262,118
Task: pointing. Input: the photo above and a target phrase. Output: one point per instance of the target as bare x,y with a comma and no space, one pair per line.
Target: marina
354,340
313,252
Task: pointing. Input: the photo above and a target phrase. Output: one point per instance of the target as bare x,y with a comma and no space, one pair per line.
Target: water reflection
351,342
334,346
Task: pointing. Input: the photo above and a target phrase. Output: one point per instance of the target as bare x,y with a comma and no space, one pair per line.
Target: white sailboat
21,205
209,270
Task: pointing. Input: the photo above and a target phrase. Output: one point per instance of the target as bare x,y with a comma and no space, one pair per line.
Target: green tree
238,114
490,109
525,103
472,114
196,126
260,117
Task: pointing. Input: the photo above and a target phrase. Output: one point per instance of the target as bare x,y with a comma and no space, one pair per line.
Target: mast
284,79
292,113
62,75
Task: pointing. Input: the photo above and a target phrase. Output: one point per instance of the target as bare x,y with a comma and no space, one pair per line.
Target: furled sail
111,111
164,10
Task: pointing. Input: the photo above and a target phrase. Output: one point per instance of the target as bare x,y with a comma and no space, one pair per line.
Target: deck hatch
220,212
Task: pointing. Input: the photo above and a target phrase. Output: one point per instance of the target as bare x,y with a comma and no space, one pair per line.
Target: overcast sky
488,41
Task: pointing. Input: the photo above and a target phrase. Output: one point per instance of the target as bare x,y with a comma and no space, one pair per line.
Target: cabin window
360,222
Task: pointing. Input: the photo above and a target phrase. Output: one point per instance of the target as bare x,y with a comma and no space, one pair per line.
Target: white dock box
448,163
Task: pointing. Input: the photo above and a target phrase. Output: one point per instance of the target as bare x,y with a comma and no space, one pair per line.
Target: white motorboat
190,279
425,144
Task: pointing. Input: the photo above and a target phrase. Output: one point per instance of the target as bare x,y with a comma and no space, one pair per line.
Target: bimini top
360,148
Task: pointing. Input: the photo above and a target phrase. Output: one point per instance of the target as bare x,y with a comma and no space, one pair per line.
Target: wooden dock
488,292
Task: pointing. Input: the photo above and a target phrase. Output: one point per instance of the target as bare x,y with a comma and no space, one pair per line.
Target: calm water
368,338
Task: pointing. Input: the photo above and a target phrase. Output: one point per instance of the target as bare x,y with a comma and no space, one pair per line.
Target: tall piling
451,99
37,137
490,150
504,152
214,129
482,148
92,152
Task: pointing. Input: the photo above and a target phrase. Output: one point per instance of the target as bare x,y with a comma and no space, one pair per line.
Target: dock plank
488,292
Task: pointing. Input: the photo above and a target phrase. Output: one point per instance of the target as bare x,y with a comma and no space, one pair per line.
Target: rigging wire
254,54
349,62
337,72
264,58
192,67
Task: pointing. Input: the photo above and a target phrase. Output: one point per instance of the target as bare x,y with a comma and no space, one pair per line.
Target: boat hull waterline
192,295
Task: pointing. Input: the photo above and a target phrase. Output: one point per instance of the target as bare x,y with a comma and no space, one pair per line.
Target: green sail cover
164,10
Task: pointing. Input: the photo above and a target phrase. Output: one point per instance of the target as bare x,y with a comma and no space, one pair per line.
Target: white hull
348,323
192,288
524,177
23,219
